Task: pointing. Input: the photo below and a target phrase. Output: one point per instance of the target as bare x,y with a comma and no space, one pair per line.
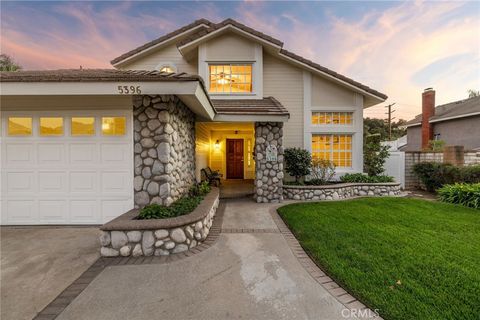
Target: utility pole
389,119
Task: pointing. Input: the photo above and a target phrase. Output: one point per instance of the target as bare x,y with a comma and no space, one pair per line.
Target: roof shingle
265,106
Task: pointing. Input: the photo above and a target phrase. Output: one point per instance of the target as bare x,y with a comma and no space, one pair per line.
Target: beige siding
230,47
25,103
325,93
167,54
202,148
285,82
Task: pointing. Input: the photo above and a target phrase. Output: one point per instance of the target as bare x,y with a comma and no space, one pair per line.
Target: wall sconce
217,144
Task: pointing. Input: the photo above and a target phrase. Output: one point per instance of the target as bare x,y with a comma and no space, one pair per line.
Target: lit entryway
68,167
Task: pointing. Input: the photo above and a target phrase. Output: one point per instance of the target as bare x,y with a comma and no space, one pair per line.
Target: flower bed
128,236
340,191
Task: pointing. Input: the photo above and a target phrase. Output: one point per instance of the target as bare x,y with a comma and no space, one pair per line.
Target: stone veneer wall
268,174
164,137
341,191
162,241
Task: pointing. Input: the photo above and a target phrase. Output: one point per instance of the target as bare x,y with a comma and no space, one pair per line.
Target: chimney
428,110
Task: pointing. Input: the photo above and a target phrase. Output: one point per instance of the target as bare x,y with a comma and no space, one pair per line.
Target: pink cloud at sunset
398,48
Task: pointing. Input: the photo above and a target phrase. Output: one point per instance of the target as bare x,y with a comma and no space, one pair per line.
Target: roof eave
187,47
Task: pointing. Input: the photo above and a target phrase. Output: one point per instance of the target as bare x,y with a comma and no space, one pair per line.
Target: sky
396,47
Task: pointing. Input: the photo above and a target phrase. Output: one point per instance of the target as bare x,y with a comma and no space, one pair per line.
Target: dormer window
230,78
166,67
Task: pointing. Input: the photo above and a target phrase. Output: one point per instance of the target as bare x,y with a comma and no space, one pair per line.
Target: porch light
217,144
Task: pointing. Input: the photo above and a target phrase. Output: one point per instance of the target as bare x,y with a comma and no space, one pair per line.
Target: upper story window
231,78
332,118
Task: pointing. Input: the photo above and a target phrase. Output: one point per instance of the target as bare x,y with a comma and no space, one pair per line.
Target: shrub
322,171
436,145
434,175
461,193
470,174
180,207
374,155
297,162
199,189
363,178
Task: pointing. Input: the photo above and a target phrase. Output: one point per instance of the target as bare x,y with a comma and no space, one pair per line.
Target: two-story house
84,146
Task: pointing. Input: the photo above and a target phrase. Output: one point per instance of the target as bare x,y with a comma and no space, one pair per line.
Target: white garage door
66,167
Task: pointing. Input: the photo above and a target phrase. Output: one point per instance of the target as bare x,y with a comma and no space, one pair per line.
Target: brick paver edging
349,301
54,308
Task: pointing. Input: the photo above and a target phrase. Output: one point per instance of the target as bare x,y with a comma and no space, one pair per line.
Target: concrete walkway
37,263
248,275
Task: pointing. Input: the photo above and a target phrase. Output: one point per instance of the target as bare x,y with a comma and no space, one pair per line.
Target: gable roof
168,36
453,110
212,27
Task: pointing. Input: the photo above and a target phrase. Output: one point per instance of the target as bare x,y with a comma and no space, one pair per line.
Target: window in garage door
64,169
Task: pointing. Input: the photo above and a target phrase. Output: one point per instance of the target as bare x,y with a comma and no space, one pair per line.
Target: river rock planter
127,236
341,191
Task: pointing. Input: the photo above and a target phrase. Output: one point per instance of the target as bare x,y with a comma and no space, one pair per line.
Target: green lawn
409,258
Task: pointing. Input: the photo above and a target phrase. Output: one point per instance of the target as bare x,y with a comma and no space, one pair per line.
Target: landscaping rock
125,251
119,239
180,248
147,243
161,234
108,252
137,250
105,238
178,235
134,236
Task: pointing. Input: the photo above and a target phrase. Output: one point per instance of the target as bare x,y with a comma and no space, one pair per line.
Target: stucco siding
462,132
328,94
285,82
230,47
167,54
414,138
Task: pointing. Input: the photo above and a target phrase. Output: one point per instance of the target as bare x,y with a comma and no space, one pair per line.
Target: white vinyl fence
395,166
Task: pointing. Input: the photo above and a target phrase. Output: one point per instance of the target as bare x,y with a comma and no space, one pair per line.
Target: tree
8,64
473,93
297,162
378,126
374,155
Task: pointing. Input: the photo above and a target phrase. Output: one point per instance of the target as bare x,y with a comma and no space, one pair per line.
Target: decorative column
268,162
164,149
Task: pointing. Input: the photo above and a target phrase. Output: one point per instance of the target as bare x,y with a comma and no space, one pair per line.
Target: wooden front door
234,158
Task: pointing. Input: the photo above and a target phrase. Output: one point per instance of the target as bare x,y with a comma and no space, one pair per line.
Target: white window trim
257,73
338,169
167,64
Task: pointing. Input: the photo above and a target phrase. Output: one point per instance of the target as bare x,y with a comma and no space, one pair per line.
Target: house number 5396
129,90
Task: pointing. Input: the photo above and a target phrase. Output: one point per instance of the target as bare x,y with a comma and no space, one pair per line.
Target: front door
234,158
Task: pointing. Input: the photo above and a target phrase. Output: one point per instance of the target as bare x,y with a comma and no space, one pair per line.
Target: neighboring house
84,146
456,123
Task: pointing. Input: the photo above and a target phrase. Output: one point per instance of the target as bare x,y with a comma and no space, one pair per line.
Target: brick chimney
428,110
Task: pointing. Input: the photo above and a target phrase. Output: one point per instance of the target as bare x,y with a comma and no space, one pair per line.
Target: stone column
268,170
164,148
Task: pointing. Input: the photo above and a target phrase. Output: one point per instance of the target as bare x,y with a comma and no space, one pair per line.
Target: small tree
473,93
322,170
8,64
374,155
297,162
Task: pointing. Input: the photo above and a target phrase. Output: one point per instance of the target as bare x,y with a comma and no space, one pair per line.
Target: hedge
461,193
435,175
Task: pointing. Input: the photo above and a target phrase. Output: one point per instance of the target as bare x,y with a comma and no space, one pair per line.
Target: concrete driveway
37,263
251,274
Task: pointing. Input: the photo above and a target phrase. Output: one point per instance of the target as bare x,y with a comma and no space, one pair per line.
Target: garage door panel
83,181
114,153
19,154
51,154
83,211
21,211
66,179
116,182
52,211
83,153
110,208
52,181
20,182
